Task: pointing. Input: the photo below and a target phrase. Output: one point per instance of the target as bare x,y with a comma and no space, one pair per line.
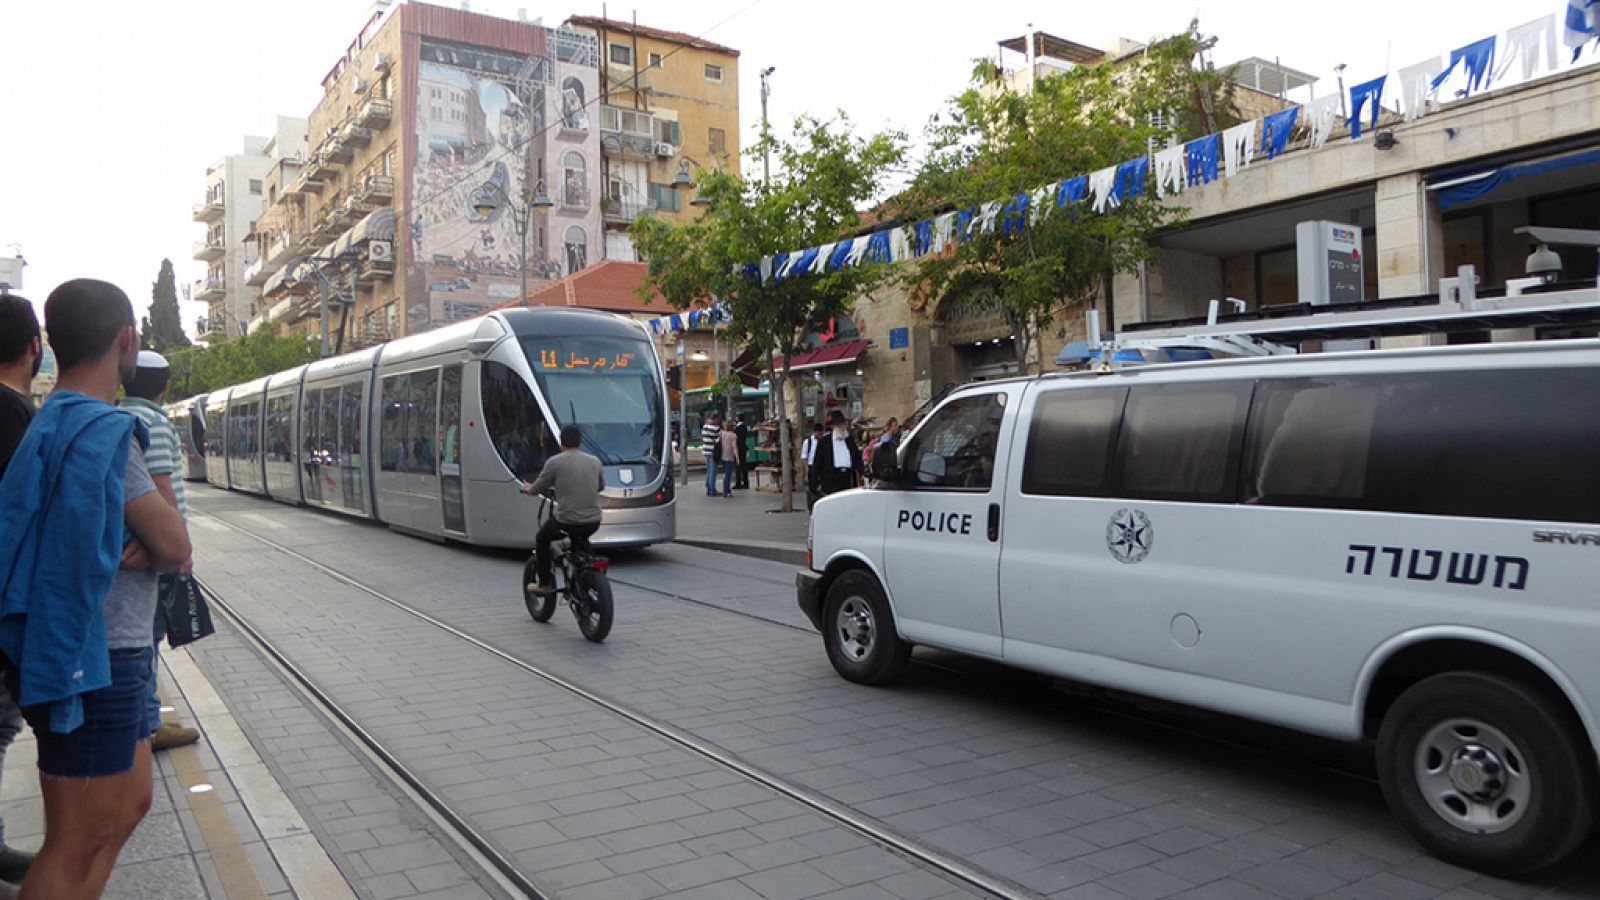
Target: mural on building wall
476,109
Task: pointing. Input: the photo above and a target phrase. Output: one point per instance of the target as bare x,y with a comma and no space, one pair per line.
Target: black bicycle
580,578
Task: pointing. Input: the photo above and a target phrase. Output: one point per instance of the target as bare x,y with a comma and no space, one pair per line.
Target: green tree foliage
824,174
163,330
200,370
994,143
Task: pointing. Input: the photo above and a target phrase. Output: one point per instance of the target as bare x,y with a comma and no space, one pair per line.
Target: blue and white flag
1581,25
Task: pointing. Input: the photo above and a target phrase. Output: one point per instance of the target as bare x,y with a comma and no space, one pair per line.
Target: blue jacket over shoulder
61,539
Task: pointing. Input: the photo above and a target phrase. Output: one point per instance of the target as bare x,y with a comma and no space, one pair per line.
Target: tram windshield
607,386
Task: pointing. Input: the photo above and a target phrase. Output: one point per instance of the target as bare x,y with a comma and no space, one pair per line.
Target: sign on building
1328,262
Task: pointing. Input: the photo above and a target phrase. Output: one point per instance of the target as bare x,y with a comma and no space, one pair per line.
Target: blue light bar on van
1080,353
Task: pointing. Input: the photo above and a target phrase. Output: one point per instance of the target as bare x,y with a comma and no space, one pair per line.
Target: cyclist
576,479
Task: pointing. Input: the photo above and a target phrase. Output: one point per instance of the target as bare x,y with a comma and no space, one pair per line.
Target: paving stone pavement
585,802
1048,791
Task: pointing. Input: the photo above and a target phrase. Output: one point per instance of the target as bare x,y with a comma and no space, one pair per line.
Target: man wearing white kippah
145,389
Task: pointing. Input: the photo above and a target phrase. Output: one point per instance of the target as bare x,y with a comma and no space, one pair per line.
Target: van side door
942,537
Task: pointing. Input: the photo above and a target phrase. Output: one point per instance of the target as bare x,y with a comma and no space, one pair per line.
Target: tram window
278,428
450,415
328,431
514,422
350,442
1182,441
421,423
310,411
1070,443
392,426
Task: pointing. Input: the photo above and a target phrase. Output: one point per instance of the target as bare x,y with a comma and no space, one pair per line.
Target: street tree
824,174
200,370
163,330
995,143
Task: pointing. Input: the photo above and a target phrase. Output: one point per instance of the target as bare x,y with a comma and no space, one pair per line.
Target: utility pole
766,91
785,468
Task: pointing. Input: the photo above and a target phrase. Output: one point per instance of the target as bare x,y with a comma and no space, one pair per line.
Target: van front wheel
859,632
1486,773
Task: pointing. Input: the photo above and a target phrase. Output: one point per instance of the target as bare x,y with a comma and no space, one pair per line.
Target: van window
1310,441
1510,444
1182,441
1070,442
955,448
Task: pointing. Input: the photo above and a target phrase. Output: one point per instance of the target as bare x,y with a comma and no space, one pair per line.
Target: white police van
1397,546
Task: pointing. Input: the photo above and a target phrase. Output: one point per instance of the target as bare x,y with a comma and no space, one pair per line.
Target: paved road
1044,792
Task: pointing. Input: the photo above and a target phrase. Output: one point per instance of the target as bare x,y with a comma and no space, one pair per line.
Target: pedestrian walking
808,453
78,597
743,431
164,458
836,463
20,356
729,446
710,447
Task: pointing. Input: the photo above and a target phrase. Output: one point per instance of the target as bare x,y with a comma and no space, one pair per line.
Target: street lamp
488,198
682,181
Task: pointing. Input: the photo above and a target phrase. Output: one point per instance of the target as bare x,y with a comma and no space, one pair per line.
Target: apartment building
670,104
444,140
235,194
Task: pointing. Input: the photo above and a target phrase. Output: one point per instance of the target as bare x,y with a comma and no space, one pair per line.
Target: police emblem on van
1129,535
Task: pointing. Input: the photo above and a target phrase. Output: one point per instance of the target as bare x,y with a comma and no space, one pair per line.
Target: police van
1400,547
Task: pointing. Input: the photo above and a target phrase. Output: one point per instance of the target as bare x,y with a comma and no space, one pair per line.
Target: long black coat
826,478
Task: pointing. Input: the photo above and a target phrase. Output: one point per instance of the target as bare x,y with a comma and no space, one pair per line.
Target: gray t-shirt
130,607
578,479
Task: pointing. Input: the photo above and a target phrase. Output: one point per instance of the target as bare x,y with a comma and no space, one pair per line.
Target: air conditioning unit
361,85
380,251
382,63
665,150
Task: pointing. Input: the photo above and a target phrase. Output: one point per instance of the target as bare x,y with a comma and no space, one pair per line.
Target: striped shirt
710,434
164,456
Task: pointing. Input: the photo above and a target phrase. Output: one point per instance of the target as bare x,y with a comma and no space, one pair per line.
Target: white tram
430,434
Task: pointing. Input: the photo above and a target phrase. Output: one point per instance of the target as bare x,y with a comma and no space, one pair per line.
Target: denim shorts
113,722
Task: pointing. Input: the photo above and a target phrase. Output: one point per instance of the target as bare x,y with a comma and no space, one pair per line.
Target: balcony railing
209,249
375,113
338,150
357,135
374,190
623,210
209,209
209,289
375,270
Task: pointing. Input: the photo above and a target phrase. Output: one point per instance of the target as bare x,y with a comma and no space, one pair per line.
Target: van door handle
994,522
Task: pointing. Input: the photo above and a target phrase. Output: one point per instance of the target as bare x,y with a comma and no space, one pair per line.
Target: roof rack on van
1270,331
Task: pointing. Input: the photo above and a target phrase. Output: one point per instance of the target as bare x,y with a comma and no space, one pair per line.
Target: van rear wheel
1487,773
859,632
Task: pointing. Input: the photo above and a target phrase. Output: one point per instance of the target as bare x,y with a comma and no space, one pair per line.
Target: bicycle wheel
595,607
540,607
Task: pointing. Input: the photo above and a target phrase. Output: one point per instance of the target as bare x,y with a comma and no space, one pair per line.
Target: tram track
503,870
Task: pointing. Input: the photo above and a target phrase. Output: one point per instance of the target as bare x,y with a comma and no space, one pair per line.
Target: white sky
115,109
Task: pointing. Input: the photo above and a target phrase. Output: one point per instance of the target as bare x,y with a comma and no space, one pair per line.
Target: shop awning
830,355
1470,187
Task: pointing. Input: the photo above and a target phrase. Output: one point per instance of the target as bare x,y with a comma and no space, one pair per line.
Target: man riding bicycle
576,479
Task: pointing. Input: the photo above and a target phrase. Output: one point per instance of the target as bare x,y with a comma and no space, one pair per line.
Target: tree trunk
785,473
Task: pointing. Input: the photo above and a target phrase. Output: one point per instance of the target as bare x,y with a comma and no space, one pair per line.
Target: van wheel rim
1473,776
856,628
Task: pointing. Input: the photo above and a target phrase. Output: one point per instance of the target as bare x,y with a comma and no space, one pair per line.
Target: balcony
356,135
209,289
374,270
277,251
320,169
306,183
375,113
212,327
623,211
338,150
209,210
210,248
374,191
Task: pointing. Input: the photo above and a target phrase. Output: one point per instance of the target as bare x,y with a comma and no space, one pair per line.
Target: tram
430,434
188,419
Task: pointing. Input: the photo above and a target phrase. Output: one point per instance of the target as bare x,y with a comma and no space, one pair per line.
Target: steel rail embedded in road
500,870
909,848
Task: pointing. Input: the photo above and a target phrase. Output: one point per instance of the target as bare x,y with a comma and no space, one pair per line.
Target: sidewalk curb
774,551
